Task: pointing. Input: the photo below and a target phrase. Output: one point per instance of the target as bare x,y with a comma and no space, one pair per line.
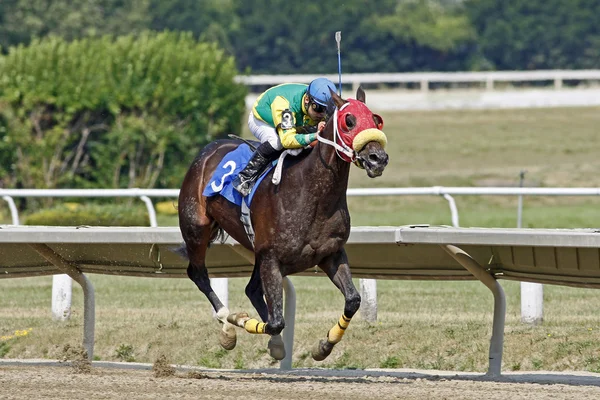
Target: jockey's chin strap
339,145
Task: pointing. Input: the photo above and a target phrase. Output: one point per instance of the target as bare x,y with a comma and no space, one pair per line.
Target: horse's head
358,135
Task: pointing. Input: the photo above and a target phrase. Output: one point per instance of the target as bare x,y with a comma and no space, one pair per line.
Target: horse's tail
181,251
216,234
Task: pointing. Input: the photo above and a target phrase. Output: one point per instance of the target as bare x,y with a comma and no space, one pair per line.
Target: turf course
432,325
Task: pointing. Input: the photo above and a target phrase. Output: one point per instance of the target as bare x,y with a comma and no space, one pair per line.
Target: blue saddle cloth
229,167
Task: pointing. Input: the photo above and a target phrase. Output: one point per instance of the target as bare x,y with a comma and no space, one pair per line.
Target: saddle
221,183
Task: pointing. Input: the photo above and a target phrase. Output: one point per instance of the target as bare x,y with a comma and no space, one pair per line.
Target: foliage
4,348
125,353
166,207
393,36
426,23
209,20
112,112
23,20
270,36
90,214
537,34
419,35
277,36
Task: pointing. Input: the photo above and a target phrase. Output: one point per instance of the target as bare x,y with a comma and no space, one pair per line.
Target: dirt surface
53,380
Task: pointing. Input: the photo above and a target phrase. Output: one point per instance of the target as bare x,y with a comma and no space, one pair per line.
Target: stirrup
242,186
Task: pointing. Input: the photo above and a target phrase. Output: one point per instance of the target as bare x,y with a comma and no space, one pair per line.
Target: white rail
143,194
532,294
489,78
446,192
428,252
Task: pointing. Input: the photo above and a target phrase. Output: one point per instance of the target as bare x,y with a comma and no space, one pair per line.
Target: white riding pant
264,132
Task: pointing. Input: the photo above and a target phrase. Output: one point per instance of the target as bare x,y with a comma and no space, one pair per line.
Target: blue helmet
318,90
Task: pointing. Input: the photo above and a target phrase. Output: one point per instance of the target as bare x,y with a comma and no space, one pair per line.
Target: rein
338,144
339,147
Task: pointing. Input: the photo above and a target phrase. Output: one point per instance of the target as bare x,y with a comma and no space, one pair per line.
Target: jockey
286,116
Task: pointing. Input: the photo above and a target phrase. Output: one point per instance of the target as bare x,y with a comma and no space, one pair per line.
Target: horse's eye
350,122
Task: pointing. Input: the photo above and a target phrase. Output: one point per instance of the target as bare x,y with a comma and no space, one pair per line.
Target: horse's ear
338,101
360,95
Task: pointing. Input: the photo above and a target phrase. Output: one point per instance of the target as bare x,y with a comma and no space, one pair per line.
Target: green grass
445,325
421,324
455,148
557,148
473,212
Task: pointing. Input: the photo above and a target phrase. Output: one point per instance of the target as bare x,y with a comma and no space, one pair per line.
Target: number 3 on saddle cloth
229,167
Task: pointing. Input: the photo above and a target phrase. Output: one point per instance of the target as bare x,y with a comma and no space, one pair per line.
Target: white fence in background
424,79
444,191
531,300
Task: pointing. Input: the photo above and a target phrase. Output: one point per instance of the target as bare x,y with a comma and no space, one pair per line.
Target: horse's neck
329,171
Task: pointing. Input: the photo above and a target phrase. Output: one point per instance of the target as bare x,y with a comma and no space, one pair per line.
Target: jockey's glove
311,139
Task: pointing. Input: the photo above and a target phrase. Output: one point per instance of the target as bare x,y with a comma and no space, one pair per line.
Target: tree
388,35
23,20
208,20
537,34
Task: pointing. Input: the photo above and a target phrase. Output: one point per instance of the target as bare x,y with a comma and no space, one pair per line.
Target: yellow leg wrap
253,326
336,333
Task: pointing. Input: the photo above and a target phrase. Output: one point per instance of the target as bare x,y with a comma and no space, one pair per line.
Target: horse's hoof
322,350
238,319
276,347
228,337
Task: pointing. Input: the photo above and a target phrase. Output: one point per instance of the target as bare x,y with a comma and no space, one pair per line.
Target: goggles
319,109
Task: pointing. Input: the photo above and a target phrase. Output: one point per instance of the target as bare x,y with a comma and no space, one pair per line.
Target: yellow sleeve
288,137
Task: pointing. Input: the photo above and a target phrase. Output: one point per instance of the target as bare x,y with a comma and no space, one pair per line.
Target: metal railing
446,192
531,292
142,194
424,79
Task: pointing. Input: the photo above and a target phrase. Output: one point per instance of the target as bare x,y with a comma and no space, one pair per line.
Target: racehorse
299,223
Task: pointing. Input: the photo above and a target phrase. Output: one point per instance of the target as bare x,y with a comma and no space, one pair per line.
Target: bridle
353,136
338,143
365,130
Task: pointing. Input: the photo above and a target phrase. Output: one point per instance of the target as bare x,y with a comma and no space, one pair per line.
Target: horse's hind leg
266,273
254,292
337,269
197,243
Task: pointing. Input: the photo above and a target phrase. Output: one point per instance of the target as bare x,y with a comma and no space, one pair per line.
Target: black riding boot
264,154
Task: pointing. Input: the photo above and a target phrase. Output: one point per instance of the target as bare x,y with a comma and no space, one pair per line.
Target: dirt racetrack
51,380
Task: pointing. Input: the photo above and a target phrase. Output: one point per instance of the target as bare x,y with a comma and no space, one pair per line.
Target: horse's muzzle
373,159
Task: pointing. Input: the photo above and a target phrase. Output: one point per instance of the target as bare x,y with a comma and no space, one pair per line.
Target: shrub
92,214
130,111
166,207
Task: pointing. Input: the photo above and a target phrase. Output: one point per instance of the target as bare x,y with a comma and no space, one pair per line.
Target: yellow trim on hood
366,136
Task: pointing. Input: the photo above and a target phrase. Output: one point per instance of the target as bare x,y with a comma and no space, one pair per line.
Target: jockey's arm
284,121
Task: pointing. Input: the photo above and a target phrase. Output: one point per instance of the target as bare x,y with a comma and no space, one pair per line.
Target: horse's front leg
272,285
337,269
